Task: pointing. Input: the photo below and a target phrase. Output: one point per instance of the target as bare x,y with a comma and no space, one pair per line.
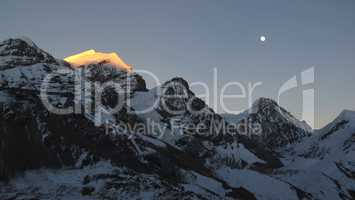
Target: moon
262,38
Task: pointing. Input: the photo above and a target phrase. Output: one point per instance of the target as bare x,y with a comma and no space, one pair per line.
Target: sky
193,39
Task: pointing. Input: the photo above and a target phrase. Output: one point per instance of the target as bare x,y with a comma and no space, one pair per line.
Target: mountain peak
25,39
17,43
22,52
93,57
28,41
347,114
268,106
265,103
265,100
178,80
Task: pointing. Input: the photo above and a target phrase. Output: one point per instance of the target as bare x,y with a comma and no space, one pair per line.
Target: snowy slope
324,164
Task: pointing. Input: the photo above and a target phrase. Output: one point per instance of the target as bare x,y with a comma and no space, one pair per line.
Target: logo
308,95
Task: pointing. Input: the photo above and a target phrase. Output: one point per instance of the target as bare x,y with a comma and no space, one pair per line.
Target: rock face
271,125
17,52
65,145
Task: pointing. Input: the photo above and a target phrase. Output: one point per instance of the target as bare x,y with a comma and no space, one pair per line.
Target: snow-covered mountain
271,125
22,51
319,162
177,149
324,163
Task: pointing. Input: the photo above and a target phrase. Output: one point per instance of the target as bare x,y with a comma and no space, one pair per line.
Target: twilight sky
189,38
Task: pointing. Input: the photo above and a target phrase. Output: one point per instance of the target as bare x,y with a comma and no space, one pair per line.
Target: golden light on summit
93,57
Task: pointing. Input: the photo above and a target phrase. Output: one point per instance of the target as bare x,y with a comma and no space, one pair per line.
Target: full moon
262,38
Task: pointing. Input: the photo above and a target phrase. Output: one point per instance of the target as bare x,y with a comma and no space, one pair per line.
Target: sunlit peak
93,57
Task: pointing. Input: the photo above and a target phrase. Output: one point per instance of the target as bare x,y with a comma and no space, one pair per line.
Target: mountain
95,131
333,141
22,51
75,146
319,162
324,163
189,124
271,125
